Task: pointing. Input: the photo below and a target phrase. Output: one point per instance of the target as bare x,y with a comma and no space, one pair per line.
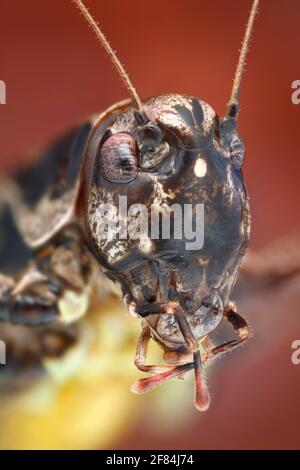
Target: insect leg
148,383
167,372
52,287
141,353
207,343
202,396
162,373
202,399
186,331
240,326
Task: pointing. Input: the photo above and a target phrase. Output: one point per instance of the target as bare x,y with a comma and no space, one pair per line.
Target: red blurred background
56,73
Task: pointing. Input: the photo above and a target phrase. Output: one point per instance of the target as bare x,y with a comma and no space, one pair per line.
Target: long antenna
234,102
112,55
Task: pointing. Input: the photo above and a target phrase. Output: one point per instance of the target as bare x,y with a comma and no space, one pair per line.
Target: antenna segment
111,53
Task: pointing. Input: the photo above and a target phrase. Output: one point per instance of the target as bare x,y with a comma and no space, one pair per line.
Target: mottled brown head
155,171
159,169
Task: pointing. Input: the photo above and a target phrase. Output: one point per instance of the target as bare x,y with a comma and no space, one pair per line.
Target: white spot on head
200,168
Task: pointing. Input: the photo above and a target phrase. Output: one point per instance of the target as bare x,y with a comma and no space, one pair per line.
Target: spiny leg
167,372
162,373
141,354
148,383
240,326
202,400
207,344
202,396
186,331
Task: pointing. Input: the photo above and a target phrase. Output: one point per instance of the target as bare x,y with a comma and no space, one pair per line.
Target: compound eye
118,158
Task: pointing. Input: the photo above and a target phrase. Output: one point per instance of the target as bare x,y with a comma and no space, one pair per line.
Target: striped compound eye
119,158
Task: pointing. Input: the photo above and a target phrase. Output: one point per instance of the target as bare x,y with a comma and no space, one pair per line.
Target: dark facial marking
198,112
186,115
